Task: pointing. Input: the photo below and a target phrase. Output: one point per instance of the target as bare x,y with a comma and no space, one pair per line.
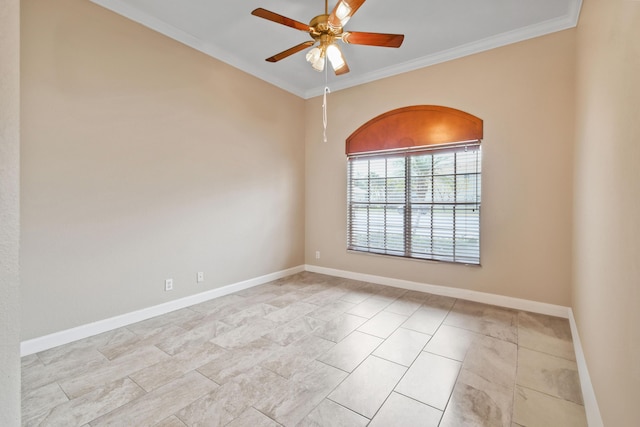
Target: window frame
408,205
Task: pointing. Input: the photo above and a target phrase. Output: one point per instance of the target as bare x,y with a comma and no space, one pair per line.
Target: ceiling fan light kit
325,29
316,58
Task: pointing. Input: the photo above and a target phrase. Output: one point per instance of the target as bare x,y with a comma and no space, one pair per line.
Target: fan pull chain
324,112
324,101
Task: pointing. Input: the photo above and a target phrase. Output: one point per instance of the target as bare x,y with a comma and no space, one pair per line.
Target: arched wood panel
414,126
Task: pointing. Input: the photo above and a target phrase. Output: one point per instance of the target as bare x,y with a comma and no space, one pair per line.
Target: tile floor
314,350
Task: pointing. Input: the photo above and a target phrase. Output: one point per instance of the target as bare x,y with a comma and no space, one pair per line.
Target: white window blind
417,203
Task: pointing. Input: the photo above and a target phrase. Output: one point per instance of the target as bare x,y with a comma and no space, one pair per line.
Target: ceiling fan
325,29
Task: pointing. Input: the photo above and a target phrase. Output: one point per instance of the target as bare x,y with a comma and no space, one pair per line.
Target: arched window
414,185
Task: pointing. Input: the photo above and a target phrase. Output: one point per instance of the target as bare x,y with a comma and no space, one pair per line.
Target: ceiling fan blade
343,11
272,16
342,70
290,51
337,60
373,39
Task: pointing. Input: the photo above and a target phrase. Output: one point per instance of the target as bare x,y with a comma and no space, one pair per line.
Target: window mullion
433,199
385,241
349,204
455,203
368,204
408,244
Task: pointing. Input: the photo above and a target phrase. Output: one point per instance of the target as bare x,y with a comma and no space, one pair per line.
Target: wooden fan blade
343,11
373,39
336,58
279,19
342,70
290,51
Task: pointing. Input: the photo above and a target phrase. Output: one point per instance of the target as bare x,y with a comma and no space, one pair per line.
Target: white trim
562,22
36,345
466,294
498,40
594,419
592,410
130,12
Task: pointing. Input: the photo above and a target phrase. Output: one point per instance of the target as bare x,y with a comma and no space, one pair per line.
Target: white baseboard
594,419
46,342
466,294
590,403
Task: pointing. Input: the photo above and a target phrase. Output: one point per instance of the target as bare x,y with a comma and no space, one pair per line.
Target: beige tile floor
314,350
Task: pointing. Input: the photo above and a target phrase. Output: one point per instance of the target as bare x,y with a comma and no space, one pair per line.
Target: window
416,202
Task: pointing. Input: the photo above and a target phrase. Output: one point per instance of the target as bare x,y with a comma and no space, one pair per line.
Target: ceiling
435,31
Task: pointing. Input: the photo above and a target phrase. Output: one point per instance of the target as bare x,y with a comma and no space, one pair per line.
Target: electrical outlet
317,254
200,276
168,285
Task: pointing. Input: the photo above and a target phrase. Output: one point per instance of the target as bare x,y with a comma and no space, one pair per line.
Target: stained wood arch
414,126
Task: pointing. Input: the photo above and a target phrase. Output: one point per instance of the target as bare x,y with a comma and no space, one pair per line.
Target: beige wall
143,159
9,213
525,95
606,293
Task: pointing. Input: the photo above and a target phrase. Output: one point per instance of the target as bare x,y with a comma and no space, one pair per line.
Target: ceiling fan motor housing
319,27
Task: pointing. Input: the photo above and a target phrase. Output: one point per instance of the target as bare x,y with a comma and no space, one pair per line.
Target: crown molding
122,8
569,20
521,34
